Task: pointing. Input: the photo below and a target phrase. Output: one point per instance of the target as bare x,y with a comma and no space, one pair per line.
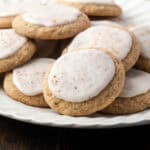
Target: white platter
135,12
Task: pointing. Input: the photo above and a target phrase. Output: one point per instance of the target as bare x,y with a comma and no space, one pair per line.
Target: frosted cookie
135,96
95,7
8,11
117,40
15,50
142,33
24,84
51,22
82,83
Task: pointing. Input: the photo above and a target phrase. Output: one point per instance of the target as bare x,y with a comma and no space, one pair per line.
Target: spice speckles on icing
10,42
29,78
115,40
137,83
80,76
142,32
92,1
51,15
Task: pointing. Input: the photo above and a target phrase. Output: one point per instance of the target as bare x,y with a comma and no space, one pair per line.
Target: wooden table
20,136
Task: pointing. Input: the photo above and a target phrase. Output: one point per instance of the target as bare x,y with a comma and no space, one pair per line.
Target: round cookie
95,7
117,40
15,50
62,22
142,33
24,84
82,83
135,96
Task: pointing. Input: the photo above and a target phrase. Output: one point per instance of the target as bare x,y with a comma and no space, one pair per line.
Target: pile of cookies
105,67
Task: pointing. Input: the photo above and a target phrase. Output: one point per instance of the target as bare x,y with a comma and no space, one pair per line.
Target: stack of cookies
104,68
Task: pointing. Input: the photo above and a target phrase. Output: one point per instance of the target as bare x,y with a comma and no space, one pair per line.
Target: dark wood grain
20,136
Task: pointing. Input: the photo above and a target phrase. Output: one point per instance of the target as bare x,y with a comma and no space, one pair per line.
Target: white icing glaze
51,15
137,83
9,8
80,76
142,32
92,1
115,40
28,78
106,23
10,42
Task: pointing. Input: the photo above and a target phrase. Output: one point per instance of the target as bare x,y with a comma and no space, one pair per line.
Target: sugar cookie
142,33
24,84
14,50
95,7
62,22
135,96
117,40
82,83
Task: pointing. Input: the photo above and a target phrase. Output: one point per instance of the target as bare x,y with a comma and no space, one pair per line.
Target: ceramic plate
135,12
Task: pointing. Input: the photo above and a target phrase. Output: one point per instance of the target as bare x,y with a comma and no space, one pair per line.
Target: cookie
116,39
15,50
8,11
62,22
135,96
24,84
95,7
82,83
142,33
